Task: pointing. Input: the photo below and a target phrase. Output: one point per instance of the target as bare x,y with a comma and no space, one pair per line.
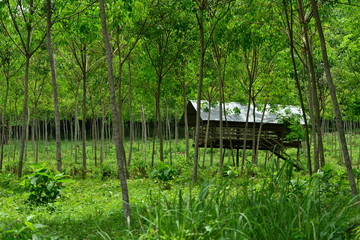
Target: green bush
108,171
164,174
43,184
6,179
139,169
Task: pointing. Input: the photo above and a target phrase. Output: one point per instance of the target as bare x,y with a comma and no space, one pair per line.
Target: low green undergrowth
231,208
262,202
43,185
281,205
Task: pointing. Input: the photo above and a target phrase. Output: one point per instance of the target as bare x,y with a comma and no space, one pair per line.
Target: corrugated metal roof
236,112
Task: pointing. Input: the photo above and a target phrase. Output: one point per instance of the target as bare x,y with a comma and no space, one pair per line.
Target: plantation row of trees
145,59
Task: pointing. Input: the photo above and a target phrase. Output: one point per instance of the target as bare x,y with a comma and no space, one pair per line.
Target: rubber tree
319,159
83,45
220,46
50,21
116,115
332,88
289,23
27,20
163,44
129,23
9,67
206,29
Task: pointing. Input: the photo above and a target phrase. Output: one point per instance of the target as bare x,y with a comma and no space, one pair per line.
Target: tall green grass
264,203
233,208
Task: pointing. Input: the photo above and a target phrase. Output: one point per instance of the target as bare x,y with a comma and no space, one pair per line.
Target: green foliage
164,174
233,209
43,185
108,171
6,179
139,169
297,131
26,230
332,182
230,171
266,202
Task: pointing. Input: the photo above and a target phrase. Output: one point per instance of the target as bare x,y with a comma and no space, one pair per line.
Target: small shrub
43,184
108,171
139,169
230,171
164,175
6,179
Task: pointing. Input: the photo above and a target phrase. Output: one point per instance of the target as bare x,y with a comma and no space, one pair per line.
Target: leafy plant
43,184
138,170
164,174
6,179
27,230
230,171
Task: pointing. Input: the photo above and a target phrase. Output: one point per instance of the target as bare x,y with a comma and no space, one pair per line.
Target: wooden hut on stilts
268,130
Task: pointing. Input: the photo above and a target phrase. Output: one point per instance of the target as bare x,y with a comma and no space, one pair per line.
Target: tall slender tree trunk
176,129
168,127
120,95
206,133
10,129
46,134
186,124
289,22
253,149
200,20
24,117
143,131
77,126
3,124
83,123
37,139
115,117
335,102
259,135
54,85
130,113
155,132
319,151
221,100
33,131
102,144
245,134
159,120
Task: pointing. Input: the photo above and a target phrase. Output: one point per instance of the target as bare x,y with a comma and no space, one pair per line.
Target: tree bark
319,151
200,20
221,100
289,21
24,117
259,135
168,126
130,113
335,102
120,95
102,145
158,118
186,124
116,115
245,135
54,85
77,125
206,133
3,123
83,123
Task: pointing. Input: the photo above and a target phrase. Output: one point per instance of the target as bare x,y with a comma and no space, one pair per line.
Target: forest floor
265,202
